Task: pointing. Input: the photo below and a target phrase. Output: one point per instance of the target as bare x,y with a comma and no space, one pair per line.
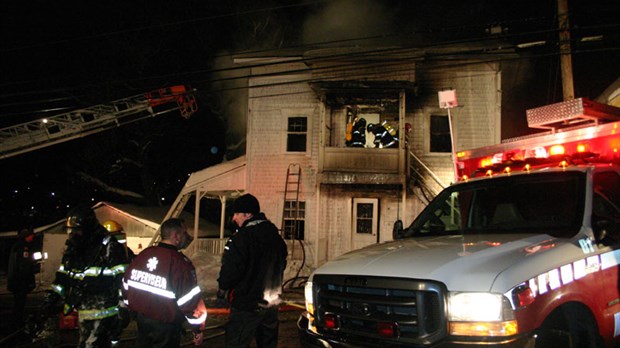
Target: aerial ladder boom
29,136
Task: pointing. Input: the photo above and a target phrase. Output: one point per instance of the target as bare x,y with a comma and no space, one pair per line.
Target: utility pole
565,51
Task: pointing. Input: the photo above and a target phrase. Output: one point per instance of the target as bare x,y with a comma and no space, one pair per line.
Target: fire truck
522,251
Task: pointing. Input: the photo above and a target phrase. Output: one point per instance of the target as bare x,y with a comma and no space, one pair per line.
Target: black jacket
253,265
22,267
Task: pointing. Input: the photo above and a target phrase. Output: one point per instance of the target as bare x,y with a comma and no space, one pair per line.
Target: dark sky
61,55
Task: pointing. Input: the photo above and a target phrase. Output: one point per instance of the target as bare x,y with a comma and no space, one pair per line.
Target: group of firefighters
106,285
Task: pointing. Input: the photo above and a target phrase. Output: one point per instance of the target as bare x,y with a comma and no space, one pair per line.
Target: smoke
348,19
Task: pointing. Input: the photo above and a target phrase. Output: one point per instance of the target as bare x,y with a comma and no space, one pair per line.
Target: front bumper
310,339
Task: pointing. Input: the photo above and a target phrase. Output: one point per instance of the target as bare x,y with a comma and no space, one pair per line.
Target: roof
224,179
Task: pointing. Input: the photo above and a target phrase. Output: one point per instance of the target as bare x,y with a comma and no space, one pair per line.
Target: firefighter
89,279
358,135
160,286
385,135
117,231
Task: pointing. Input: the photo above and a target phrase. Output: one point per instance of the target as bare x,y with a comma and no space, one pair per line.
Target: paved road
214,333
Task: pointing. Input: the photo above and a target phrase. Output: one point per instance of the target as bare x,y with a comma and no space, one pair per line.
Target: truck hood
462,263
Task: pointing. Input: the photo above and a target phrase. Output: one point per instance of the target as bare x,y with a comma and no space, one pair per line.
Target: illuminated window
297,134
294,219
440,134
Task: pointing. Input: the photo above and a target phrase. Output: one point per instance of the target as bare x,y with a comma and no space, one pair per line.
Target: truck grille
361,304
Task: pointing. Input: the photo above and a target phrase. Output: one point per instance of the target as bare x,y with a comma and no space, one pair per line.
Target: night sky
62,55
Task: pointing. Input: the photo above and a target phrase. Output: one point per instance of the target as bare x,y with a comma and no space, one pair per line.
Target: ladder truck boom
33,135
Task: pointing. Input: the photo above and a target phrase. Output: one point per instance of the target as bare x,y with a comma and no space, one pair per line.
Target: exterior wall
267,159
336,216
476,122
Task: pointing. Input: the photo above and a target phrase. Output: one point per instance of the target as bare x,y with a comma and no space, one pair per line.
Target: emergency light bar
588,144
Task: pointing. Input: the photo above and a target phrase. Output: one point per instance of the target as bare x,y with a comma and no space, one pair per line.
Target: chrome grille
416,308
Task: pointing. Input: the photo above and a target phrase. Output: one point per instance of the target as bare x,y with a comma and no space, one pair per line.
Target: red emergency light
331,321
387,329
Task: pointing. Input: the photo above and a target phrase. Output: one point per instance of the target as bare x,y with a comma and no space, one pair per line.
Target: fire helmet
113,226
81,224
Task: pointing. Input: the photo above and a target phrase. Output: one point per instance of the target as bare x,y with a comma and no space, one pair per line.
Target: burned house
341,143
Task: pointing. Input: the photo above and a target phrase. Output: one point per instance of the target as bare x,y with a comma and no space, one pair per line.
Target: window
297,134
365,214
294,219
440,134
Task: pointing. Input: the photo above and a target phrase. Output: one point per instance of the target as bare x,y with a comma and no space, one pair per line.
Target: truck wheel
569,326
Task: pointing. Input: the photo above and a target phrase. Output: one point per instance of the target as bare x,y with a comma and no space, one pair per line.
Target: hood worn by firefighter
253,265
161,287
89,279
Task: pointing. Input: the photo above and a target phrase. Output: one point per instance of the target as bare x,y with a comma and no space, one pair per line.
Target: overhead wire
346,67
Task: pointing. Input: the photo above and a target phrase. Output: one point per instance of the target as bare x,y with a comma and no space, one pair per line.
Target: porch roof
227,179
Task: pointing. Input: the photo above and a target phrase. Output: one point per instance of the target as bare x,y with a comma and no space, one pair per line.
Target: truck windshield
546,203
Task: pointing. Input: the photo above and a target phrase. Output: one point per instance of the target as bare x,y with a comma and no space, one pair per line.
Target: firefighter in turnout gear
385,135
89,279
117,231
161,287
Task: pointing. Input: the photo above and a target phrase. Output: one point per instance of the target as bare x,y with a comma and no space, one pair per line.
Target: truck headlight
480,314
309,298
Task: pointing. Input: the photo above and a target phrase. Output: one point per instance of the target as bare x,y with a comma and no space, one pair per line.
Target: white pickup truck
525,256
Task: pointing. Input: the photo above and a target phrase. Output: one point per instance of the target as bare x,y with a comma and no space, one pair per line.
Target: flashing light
489,172
527,168
331,321
485,162
523,296
497,158
581,148
557,150
464,177
460,154
563,164
389,330
537,152
507,170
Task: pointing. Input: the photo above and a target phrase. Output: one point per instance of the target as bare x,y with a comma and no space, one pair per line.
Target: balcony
347,165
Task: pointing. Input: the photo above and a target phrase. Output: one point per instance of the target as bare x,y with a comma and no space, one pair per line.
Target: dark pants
18,308
97,333
243,326
156,334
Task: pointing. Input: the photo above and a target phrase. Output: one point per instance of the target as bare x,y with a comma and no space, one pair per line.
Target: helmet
81,217
81,223
113,226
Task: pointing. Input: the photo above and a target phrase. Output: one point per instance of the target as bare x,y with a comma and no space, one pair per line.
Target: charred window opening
440,134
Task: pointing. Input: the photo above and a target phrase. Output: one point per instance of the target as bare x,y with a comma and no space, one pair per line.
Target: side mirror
397,231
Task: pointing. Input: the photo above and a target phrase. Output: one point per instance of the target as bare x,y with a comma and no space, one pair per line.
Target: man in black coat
253,265
23,265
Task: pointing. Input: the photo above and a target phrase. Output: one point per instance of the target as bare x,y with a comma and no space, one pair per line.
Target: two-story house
313,162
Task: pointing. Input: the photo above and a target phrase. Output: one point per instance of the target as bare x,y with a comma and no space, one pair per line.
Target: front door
365,222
